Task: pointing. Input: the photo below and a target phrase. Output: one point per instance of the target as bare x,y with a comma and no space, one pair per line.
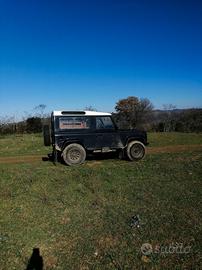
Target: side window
74,122
104,123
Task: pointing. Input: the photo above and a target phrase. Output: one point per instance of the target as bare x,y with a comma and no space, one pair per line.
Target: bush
33,125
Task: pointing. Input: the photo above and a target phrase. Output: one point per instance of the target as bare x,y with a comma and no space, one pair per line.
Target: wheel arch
68,142
130,139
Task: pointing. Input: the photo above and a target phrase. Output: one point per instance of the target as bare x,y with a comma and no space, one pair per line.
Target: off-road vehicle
75,134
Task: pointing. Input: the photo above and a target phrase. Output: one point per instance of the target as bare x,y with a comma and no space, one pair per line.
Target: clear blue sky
71,54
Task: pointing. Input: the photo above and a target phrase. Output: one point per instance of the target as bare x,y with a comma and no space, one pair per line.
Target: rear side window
104,123
74,122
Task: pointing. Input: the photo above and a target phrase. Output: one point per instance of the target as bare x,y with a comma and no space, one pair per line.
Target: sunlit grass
79,217
29,144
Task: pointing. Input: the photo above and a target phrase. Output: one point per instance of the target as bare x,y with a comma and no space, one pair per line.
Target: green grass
28,144
79,217
173,138
22,144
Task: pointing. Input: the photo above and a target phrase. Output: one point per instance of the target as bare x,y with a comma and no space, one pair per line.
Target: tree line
131,112
31,122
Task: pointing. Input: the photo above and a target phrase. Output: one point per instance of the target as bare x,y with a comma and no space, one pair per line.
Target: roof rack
73,112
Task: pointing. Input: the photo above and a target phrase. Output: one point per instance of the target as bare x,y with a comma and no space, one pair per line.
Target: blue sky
72,54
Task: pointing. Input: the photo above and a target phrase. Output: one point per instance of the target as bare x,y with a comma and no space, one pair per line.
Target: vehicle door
107,135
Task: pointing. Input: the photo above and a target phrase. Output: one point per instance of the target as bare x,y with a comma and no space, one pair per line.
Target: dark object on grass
135,221
35,261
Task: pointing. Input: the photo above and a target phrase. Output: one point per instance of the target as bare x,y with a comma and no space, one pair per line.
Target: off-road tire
74,154
135,150
46,135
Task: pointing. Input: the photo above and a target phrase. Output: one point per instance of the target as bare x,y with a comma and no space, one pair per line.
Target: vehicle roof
76,113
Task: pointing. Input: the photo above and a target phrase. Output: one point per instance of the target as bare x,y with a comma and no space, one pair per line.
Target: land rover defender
75,134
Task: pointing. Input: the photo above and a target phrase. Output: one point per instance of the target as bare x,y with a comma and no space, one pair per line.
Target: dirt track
174,149
150,150
20,159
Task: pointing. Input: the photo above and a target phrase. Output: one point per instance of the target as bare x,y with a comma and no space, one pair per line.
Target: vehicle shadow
36,261
102,156
93,157
49,157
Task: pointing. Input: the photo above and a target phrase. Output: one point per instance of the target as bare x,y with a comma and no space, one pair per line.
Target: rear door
75,128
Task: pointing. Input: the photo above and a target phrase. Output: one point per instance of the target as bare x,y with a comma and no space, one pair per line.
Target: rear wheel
74,154
135,150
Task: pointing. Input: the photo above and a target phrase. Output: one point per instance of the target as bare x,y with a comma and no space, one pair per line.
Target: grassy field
28,144
81,217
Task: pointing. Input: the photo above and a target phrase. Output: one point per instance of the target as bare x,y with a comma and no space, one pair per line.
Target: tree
40,110
189,120
7,125
33,125
169,117
133,112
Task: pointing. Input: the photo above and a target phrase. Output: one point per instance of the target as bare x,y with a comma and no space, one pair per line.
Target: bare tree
7,125
169,114
40,110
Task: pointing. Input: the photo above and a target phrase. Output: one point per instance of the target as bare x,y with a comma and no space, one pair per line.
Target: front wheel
135,150
74,154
